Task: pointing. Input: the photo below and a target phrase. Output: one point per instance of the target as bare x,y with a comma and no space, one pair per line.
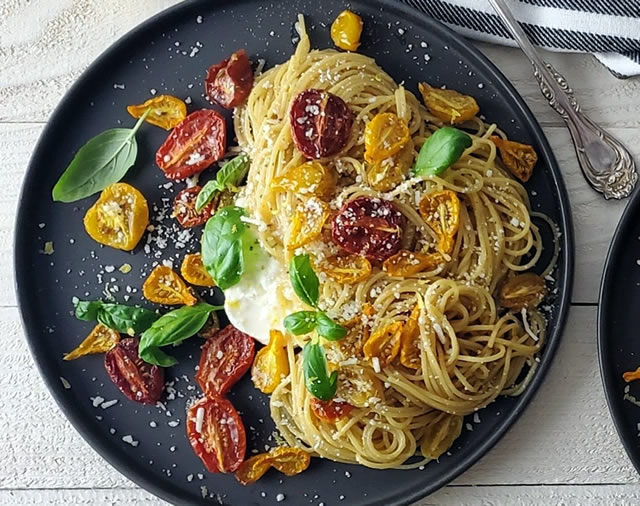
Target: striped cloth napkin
609,29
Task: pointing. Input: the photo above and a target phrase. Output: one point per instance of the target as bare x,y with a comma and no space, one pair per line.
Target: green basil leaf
329,329
440,151
316,372
229,175
304,280
87,310
126,319
156,356
222,246
176,326
301,322
102,161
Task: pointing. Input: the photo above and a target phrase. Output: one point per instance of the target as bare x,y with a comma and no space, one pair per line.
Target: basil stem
173,328
102,161
316,372
120,317
229,175
440,151
304,280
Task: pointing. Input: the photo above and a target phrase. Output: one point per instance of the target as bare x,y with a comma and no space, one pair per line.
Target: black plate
618,343
150,58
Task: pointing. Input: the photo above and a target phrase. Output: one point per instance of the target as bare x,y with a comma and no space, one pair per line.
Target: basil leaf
120,317
304,280
156,356
177,325
329,329
440,151
316,373
301,322
230,174
102,161
222,246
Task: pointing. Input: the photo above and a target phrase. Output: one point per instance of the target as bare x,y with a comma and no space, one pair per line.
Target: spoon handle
605,162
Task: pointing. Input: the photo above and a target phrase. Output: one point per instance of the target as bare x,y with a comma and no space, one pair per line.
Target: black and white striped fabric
610,29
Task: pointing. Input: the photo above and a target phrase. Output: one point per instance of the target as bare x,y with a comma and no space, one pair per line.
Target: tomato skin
330,411
184,208
224,360
135,378
195,143
320,123
229,82
370,227
223,442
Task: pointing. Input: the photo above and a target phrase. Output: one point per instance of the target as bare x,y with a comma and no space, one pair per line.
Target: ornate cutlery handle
605,162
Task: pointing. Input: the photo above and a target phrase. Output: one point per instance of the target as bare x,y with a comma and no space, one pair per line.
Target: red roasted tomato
138,380
330,411
217,434
320,123
195,143
224,360
370,227
229,82
184,208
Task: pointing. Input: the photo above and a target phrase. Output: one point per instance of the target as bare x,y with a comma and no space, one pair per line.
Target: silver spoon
605,162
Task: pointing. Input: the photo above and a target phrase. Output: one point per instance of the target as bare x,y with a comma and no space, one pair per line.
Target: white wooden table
564,450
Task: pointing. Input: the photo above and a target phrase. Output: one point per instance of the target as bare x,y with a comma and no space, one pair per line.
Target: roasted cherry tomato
254,468
358,333
164,286
346,31
320,123
384,343
287,460
347,269
229,82
370,227
440,435
194,144
359,386
100,340
330,411
307,222
449,105
408,263
441,211
385,135
224,360
311,178
184,208
119,217
193,271
216,434
519,158
138,380
385,175
524,291
409,340
166,111
271,363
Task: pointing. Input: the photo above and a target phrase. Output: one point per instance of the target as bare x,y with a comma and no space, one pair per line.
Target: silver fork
606,164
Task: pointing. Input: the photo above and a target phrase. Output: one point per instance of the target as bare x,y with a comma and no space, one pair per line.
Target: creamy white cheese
261,299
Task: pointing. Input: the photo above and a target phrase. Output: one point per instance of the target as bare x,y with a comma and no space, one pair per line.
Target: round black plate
618,343
171,53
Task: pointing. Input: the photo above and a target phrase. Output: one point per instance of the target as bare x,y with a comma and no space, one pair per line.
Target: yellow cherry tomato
164,286
166,111
384,343
519,158
346,30
271,363
384,136
407,263
310,178
385,175
410,342
441,211
307,222
100,340
193,271
359,386
119,217
347,269
524,291
449,105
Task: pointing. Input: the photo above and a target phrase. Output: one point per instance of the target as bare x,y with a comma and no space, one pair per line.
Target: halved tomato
330,411
229,82
216,434
184,208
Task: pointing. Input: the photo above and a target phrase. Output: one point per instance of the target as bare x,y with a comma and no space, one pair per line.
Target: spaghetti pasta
466,350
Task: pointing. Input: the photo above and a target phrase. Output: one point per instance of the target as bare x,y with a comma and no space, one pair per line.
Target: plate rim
607,374
132,470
